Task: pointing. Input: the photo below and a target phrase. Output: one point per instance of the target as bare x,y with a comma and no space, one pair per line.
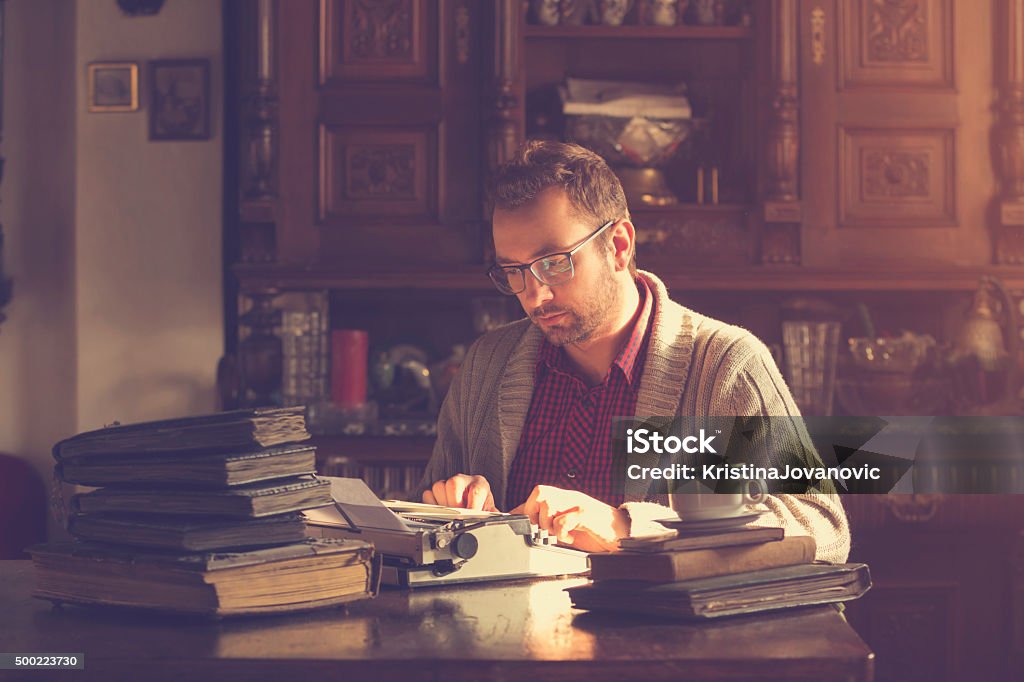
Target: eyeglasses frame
529,266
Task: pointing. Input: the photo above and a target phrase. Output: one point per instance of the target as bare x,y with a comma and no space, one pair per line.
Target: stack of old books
200,515
705,575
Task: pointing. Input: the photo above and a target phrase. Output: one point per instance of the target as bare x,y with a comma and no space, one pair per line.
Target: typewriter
425,544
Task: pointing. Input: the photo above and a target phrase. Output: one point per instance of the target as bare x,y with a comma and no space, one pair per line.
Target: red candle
348,366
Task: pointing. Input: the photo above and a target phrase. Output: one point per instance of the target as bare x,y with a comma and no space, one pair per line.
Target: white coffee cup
705,506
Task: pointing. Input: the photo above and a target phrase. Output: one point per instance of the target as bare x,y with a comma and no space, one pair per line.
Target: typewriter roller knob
465,545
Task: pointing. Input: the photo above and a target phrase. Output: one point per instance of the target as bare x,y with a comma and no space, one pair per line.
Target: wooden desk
518,630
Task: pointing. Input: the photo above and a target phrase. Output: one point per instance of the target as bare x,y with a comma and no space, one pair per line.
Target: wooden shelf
696,209
534,31
299,277
812,280
471,279
376,449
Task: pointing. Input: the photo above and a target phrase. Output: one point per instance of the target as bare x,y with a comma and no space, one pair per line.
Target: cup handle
755,492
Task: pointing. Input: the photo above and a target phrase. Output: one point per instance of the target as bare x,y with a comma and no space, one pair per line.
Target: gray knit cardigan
695,366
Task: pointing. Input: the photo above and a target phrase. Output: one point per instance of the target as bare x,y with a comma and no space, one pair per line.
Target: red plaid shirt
567,437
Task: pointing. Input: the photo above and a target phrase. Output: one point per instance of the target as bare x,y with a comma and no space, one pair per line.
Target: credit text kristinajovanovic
644,441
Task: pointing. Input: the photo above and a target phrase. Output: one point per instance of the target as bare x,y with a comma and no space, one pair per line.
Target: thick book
729,595
188,534
212,470
305,575
245,501
221,432
747,535
666,567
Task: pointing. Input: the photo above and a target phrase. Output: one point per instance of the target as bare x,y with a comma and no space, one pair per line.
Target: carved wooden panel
912,630
377,40
893,43
366,171
709,238
896,177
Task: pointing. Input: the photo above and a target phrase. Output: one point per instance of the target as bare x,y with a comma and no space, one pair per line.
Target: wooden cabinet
858,150
717,65
380,133
369,127
857,142
912,134
897,161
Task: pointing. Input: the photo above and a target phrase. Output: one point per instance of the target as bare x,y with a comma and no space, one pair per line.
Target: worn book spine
666,567
225,431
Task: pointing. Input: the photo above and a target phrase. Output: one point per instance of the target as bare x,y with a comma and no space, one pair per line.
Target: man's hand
575,519
461,490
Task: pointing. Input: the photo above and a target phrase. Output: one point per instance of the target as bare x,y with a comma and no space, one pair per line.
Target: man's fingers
428,497
544,515
478,493
532,506
439,494
455,490
489,503
564,523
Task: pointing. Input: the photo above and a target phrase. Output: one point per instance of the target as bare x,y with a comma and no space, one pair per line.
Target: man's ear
623,242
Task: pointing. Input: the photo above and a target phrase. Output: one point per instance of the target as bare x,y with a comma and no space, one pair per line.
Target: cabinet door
896,116
380,132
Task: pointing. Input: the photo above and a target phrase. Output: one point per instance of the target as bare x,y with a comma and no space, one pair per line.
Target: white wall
148,226
38,356
113,240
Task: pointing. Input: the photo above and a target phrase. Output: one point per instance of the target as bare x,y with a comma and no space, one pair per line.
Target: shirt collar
554,358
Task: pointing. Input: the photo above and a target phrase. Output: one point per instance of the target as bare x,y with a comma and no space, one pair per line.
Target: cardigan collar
665,373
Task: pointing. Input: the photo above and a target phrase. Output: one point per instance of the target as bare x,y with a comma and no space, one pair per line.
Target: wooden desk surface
516,630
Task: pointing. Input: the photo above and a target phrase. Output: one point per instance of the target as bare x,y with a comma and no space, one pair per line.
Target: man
526,424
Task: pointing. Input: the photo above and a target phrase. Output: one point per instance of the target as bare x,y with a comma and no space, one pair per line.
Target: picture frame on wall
179,99
113,86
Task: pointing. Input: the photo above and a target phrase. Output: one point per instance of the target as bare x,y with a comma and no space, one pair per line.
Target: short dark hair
595,193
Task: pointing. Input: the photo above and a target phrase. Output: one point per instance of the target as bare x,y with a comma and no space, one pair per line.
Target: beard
580,321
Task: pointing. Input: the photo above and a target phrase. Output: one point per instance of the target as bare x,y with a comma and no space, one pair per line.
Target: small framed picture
179,104
113,86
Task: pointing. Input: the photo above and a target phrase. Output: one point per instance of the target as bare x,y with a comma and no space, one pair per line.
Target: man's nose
535,294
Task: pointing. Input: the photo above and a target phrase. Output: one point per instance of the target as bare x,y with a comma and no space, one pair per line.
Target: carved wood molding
1010,140
259,112
504,103
780,244
781,238
784,130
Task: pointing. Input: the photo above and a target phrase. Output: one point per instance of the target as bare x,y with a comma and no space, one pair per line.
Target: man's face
568,313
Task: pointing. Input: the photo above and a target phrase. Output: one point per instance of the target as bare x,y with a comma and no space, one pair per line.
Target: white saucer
707,525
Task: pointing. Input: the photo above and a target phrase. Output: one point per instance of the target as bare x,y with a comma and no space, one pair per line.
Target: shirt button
571,473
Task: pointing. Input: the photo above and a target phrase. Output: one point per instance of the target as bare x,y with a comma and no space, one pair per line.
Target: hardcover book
747,535
665,567
188,534
307,575
245,501
729,595
222,432
190,470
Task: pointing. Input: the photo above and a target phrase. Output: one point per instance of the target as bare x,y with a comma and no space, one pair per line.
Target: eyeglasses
551,270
